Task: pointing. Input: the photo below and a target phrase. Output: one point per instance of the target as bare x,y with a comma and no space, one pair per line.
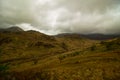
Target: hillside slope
32,55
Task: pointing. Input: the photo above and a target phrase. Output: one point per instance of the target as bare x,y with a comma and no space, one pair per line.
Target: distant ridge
94,36
11,29
101,36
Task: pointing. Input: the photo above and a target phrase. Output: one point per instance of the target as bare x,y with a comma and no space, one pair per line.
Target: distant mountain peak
15,29
11,29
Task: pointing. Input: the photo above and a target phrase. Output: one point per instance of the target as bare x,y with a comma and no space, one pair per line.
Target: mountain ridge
94,36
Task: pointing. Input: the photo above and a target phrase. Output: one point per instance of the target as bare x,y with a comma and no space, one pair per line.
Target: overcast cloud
58,16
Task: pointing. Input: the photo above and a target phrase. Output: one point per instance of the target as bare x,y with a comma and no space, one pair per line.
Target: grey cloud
15,11
57,16
90,5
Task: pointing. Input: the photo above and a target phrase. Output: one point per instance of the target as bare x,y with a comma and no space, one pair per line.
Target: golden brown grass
37,57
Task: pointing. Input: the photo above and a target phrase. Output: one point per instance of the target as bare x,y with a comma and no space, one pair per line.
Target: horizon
100,34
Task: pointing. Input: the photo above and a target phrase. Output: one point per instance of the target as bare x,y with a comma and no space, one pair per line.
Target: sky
62,16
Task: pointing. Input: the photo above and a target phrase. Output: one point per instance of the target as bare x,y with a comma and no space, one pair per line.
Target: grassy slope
80,59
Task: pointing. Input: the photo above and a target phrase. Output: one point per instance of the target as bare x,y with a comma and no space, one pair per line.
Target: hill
28,44
31,55
11,29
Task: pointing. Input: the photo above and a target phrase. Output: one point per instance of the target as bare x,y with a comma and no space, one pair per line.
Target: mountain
31,55
28,42
94,36
11,29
